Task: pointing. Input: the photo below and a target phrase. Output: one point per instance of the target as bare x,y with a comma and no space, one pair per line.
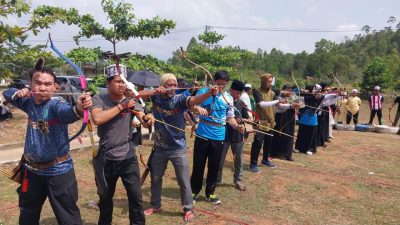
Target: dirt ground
355,180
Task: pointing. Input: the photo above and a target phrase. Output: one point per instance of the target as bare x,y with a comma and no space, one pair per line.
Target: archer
46,167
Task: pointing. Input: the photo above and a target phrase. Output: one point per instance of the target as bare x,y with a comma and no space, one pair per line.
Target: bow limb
295,82
83,87
131,87
390,118
337,80
183,55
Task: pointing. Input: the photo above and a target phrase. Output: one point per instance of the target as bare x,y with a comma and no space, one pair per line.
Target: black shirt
258,97
397,100
231,133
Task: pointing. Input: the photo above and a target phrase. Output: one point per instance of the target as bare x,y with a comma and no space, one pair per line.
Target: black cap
323,85
286,86
237,85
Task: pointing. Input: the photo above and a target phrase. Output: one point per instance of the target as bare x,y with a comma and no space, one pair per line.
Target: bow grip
85,116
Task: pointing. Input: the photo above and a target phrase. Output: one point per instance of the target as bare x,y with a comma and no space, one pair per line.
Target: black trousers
307,138
349,116
259,140
323,123
128,170
62,191
203,150
372,115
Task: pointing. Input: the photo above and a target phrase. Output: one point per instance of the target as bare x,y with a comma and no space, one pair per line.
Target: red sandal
188,216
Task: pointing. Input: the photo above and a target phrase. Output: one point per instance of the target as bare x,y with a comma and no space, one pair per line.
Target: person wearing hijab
285,122
307,141
265,98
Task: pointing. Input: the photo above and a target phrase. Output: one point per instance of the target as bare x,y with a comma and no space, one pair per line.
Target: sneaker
331,137
151,211
309,153
213,199
188,216
268,163
254,169
195,196
240,186
296,151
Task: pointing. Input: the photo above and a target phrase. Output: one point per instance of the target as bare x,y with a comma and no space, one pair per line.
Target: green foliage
81,54
18,58
98,81
45,16
227,58
142,62
211,37
124,24
377,73
16,7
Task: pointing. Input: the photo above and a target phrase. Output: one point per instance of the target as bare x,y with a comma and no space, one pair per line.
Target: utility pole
208,28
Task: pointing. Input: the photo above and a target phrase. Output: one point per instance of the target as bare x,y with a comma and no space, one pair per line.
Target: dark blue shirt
41,146
170,110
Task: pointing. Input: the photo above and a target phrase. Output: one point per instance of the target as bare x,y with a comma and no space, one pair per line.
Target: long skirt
307,138
282,145
323,128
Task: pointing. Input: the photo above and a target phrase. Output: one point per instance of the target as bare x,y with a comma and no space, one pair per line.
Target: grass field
355,180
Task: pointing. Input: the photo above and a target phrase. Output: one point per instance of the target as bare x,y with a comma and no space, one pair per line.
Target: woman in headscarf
285,122
308,124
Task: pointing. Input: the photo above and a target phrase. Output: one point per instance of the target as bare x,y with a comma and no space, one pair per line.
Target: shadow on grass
53,221
167,192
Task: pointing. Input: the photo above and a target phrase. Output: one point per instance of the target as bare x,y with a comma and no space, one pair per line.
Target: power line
279,29
267,29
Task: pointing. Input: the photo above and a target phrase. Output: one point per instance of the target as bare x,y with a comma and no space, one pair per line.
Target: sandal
188,216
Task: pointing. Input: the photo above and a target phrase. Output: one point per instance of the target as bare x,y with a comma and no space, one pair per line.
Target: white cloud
289,22
232,13
311,10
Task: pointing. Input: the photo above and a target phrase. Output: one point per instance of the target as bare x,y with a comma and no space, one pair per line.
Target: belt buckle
43,126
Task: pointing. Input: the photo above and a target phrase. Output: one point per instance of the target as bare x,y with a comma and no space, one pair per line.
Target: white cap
318,87
354,91
377,88
247,85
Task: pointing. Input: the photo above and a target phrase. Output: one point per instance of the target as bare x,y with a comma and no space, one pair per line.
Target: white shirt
246,100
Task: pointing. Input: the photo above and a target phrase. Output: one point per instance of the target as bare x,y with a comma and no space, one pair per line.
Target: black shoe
195,196
268,163
213,199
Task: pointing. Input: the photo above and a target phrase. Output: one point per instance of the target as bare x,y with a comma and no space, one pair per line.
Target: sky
346,16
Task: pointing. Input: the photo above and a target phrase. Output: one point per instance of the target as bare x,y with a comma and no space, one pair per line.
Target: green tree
123,22
377,73
18,8
82,55
15,57
211,38
19,58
